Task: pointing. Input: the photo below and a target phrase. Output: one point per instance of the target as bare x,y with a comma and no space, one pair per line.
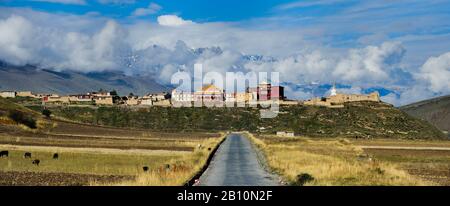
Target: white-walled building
182,96
8,94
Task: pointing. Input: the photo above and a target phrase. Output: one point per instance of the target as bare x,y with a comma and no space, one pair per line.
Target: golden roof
210,87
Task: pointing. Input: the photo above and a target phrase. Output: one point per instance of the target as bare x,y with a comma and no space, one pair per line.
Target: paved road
236,164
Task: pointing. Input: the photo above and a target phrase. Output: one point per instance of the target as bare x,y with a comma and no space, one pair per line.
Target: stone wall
339,99
342,98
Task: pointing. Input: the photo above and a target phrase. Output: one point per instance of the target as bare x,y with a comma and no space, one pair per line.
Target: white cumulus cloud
172,20
370,63
117,1
152,8
101,51
16,40
22,42
436,72
79,2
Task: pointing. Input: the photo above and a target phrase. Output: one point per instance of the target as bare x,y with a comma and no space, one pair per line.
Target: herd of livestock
27,155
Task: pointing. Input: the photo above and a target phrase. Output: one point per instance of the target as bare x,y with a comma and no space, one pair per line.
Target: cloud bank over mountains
88,43
22,42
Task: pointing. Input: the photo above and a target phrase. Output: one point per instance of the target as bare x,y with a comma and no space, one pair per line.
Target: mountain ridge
40,80
435,110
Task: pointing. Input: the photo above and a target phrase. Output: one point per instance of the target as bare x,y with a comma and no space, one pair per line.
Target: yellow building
242,96
26,94
132,101
209,93
162,103
146,101
238,97
54,98
104,100
80,98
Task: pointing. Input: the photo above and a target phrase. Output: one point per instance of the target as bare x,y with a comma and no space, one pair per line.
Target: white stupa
333,91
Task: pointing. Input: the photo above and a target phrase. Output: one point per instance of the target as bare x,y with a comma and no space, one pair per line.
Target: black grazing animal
167,167
27,155
145,168
36,162
209,148
55,156
4,153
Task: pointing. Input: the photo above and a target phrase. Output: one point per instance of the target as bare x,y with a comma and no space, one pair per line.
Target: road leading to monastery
236,164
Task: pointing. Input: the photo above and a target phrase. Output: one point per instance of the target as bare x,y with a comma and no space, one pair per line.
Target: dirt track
406,148
90,150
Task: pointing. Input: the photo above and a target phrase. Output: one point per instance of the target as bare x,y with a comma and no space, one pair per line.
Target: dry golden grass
399,143
82,141
6,121
111,156
84,162
181,169
432,165
330,162
105,161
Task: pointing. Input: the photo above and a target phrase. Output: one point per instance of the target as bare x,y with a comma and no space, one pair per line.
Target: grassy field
83,167
180,171
432,164
103,166
342,162
401,143
107,163
92,155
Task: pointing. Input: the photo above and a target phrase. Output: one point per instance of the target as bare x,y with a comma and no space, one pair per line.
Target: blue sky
401,47
197,10
349,20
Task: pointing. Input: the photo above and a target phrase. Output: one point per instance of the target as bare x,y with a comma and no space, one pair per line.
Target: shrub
22,118
379,171
46,113
303,178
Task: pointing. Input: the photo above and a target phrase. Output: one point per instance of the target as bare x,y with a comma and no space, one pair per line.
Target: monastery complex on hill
337,100
263,93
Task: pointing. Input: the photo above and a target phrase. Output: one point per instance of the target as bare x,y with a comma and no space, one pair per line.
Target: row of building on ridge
208,93
212,93
101,97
